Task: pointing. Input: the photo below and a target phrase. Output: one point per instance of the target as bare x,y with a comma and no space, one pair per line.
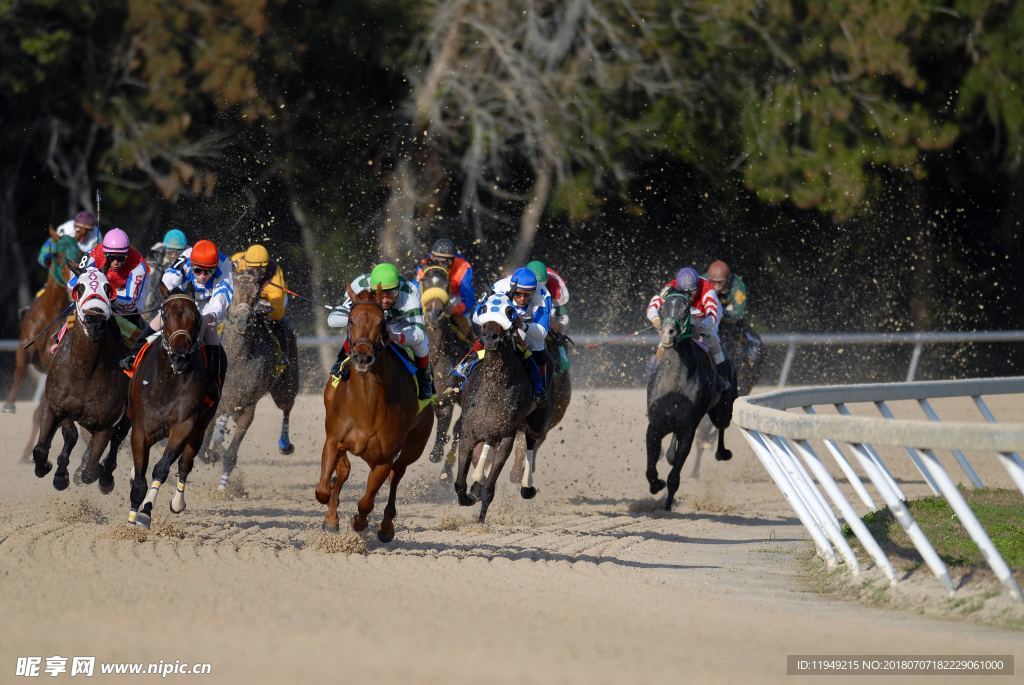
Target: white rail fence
781,441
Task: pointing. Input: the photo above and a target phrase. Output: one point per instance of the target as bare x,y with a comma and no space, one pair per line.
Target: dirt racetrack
585,584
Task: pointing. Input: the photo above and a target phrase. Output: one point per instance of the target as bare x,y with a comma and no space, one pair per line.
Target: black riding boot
215,372
426,382
340,369
127,362
723,377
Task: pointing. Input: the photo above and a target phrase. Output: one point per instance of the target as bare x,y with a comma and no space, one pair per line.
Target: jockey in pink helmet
126,271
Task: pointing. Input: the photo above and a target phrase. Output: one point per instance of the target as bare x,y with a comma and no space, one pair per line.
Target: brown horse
39,318
498,402
167,399
374,415
86,385
446,348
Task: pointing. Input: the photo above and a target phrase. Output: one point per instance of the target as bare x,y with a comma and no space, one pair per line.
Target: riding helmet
718,271
115,241
523,280
257,255
687,279
384,275
85,219
539,270
175,239
204,254
443,248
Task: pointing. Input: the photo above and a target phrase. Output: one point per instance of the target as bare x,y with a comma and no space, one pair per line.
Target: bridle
191,336
376,345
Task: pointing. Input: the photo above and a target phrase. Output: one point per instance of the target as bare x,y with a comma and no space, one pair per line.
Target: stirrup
127,363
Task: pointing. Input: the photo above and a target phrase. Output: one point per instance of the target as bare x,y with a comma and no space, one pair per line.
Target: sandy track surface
587,583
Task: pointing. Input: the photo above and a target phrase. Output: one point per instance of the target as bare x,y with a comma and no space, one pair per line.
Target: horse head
675,320
366,330
92,296
182,329
434,287
244,301
496,317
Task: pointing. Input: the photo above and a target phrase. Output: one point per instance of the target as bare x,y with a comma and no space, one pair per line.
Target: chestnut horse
374,415
34,343
86,385
167,399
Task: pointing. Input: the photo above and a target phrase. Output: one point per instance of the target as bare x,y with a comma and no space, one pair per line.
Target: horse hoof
657,485
106,484
358,525
43,469
386,536
78,475
724,455
285,448
89,476
466,500
528,493
177,511
668,505
9,408
474,490
143,520
330,527
61,481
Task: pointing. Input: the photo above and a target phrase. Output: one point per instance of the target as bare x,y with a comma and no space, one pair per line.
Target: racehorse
40,318
681,390
167,399
250,348
445,349
86,385
744,348
498,402
560,396
374,415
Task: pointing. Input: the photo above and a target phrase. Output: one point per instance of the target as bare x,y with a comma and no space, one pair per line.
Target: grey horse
250,348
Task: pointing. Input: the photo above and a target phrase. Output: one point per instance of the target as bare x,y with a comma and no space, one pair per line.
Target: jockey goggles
115,256
203,270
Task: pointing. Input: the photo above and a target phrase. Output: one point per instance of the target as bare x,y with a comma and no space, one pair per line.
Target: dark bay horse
446,348
167,399
250,349
374,415
681,390
497,403
86,385
560,395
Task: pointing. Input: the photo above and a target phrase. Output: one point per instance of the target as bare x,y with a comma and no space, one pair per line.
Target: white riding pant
710,337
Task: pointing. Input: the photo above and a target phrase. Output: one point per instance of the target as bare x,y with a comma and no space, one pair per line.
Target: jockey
705,313
731,291
209,273
87,231
126,271
533,305
167,251
400,300
273,295
82,228
559,292
460,281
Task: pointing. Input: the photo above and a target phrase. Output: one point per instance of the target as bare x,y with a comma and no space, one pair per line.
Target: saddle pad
138,358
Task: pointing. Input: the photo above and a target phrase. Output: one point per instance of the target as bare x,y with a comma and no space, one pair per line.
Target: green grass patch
1000,512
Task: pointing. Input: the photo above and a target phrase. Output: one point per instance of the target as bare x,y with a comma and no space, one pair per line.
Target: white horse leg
178,501
527,481
144,516
478,472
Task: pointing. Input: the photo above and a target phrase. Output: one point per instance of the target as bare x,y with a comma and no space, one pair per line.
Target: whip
594,346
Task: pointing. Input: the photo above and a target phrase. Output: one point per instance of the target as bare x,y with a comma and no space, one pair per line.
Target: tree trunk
316,277
532,215
397,234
